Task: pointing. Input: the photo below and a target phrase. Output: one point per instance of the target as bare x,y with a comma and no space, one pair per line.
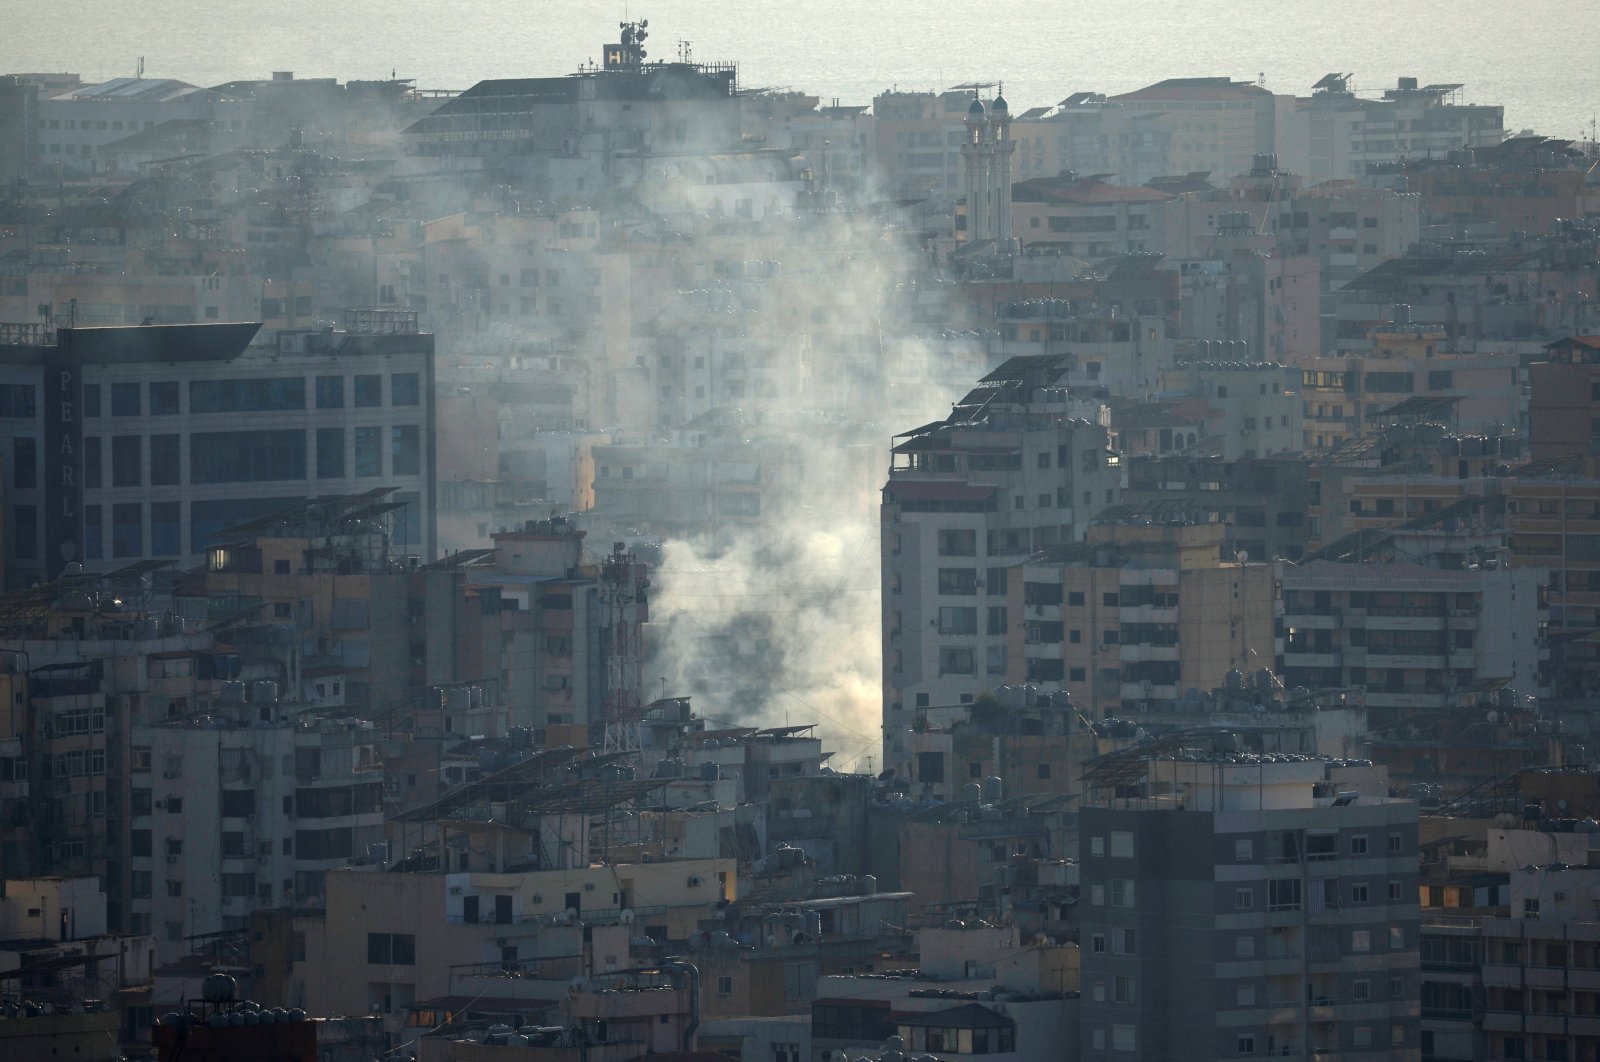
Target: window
369,391
330,453
1245,1045
127,531
247,396
956,581
369,451
1121,844
958,620
1122,989
1244,995
958,543
127,459
1361,940
1244,947
174,888
247,456
165,533
1244,899
405,389
1283,894
724,985
1121,892
405,452
1397,938
1358,893
391,949
1394,892
1123,1038
164,461
1362,1037
25,519
91,461
956,662
1358,844
164,398
1361,990
1124,941
1396,844
125,400
330,392
24,463
1244,850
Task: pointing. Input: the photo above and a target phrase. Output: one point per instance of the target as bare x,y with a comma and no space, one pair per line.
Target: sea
1534,57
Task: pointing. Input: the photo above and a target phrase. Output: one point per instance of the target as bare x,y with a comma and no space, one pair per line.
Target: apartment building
1415,637
238,814
1138,613
1246,409
132,443
1086,216
1008,473
1236,907
76,125
1349,396
1334,134
1218,125
1125,353
1564,401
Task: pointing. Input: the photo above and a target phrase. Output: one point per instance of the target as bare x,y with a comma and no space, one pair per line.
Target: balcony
1496,975
1545,976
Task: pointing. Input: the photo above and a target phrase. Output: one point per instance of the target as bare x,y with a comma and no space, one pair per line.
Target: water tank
869,884
457,699
710,772
972,792
218,988
1401,314
231,693
992,789
264,691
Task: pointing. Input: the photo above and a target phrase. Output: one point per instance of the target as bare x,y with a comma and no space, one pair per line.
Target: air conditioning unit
455,890
694,881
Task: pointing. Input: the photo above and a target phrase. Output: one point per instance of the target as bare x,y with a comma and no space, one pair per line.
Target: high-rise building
1237,905
142,442
1017,467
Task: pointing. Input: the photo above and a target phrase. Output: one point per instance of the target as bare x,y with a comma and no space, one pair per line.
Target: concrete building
1415,637
1334,134
1087,217
146,442
1008,473
1564,401
1236,908
76,125
1136,614
1218,125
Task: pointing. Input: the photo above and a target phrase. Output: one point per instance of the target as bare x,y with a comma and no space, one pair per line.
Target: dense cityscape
632,563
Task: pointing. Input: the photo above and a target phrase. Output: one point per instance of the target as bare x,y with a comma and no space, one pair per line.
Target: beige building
385,941
1137,614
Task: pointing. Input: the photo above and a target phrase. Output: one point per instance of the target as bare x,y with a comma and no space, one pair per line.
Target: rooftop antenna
141,66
